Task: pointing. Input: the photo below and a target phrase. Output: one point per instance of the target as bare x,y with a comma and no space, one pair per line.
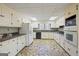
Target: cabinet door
15,19
71,10
13,47
4,47
61,39
4,16
53,24
30,38
72,50
44,35
35,25
50,35
34,35
19,40
18,19
23,39
0,10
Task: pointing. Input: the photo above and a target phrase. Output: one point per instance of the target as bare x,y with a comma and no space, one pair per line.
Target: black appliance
38,35
71,21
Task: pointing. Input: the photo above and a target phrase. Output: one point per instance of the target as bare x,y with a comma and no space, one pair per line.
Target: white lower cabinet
72,50
19,47
21,43
47,35
50,35
44,35
4,47
30,39
13,46
61,39
56,37
34,35
23,40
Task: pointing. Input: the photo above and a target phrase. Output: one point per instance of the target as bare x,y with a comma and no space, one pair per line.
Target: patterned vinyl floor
41,47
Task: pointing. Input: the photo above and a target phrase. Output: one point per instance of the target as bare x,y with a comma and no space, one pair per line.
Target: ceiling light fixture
52,18
33,19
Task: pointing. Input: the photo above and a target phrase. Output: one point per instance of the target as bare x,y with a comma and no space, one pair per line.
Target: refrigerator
27,30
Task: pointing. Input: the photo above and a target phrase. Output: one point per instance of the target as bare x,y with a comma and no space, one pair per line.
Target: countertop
8,38
44,30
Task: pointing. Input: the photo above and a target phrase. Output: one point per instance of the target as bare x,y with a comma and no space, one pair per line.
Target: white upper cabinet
53,24
15,19
0,10
35,25
9,17
71,10
61,21
58,22
4,16
47,26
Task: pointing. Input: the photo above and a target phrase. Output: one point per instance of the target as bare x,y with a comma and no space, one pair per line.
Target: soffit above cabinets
41,11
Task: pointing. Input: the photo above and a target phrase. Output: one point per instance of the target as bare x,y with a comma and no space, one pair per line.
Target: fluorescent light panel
33,19
52,18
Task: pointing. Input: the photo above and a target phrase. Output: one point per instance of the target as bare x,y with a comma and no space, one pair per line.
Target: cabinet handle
69,13
76,51
17,20
13,40
68,49
9,52
0,44
17,50
11,14
22,43
11,23
1,15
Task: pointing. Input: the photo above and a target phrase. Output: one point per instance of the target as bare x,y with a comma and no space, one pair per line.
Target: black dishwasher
38,35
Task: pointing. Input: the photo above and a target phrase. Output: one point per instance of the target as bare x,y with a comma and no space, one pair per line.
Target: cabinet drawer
5,43
4,49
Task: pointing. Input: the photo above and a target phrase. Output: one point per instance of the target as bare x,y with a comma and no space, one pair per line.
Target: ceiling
41,11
